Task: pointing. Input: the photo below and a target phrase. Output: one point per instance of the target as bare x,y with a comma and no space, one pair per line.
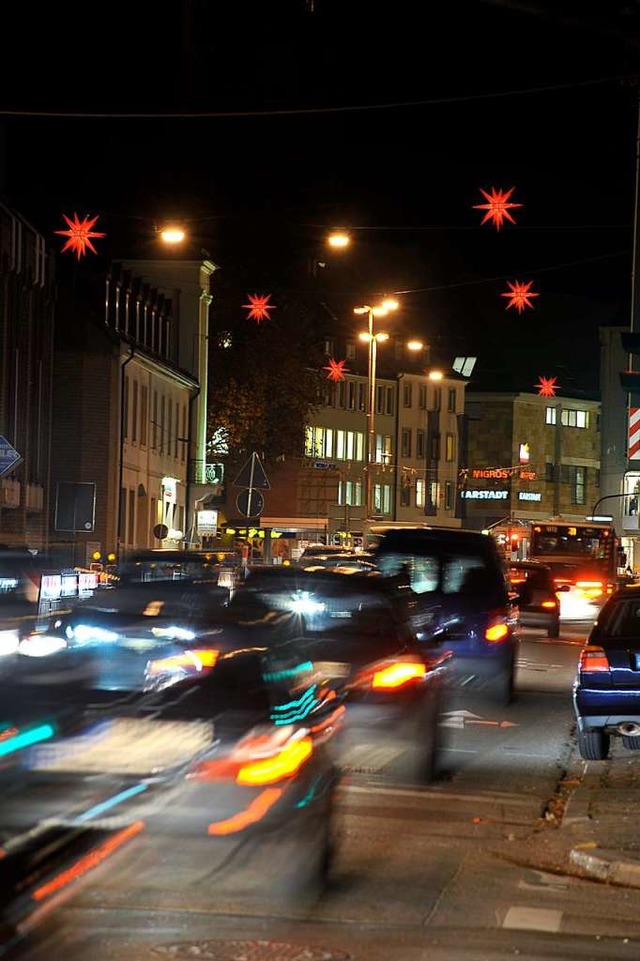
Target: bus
584,559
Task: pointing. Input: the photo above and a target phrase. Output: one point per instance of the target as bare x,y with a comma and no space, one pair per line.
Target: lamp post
381,310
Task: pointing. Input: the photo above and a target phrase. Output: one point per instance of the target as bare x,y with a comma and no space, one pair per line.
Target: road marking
541,881
460,719
532,919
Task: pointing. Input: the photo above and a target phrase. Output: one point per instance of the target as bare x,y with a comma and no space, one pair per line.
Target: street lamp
381,310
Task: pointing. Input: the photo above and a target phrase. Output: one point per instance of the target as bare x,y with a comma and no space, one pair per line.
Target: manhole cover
250,951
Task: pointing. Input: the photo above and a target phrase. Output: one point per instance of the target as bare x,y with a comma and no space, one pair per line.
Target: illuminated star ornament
336,370
80,234
259,307
519,295
547,386
497,206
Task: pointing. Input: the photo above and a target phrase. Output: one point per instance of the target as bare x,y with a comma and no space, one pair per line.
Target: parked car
323,550
355,631
221,739
463,601
536,594
606,690
348,560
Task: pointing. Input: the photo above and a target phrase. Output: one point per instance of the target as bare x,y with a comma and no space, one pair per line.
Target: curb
607,866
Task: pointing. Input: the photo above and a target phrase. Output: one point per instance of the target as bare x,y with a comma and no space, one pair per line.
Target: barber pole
634,433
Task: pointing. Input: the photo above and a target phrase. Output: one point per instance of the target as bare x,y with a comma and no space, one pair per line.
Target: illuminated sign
207,522
490,472
485,495
528,475
523,455
529,496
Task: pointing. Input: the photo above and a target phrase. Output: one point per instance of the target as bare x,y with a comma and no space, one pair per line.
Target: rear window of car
530,576
450,572
620,619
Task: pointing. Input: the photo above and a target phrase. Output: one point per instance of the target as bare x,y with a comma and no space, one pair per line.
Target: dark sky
262,181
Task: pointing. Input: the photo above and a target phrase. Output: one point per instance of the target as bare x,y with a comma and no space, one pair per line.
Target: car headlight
86,632
41,645
9,642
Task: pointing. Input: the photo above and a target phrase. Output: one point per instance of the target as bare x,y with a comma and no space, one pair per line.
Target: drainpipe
187,496
121,458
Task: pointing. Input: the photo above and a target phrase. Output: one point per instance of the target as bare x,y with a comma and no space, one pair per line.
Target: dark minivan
462,599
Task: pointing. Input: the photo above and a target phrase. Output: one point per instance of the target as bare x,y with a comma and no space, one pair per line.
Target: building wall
27,299
562,475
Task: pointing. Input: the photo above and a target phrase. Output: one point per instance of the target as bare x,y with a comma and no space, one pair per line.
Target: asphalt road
450,872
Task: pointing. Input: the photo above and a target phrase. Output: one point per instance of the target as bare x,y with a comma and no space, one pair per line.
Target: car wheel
554,628
631,743
593,745
420,762
502,687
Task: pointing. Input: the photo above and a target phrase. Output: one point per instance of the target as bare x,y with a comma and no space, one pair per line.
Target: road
453,871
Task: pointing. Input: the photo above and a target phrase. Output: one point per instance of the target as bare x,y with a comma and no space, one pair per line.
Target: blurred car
226,746
355,632
159,564
463,601
606,690
536,595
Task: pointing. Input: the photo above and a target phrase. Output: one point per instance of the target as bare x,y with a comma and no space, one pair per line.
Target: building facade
529,458
27,314
128,423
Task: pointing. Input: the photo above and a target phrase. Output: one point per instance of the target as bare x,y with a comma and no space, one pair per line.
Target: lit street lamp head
172,234
339,239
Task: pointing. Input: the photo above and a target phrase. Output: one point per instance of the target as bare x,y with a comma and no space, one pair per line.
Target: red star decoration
547,386
259,307
336,370
497,207
519,296
79,233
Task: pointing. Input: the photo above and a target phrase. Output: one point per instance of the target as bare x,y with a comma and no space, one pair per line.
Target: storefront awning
296,523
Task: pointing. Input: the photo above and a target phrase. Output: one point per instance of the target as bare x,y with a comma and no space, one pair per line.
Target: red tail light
497,628
188,660
549,604
397,675
262,757
594,660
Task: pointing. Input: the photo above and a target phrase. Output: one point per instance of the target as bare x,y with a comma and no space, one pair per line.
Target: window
134,414
450,447
382,498
169,427
420,447
360,445
419,493
350,451
318,442
437,398
580,485
125,408
184,432
350,493
448,495
434,493
406,395
154,421
131,519
406,442
176,432
162,405
329,347
451,405
388,406
550,415
361,396
422,397
574,418
405,495
144,414
380,400
597,477
340,438
342,394
383,449
350,352
549,473
351,395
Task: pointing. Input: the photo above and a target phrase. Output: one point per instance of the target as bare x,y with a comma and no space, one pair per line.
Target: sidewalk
591,826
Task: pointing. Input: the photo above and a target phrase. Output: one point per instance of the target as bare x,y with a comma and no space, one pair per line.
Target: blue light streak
26,738
111,802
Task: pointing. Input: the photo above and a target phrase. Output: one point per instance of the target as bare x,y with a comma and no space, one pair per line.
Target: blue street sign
9,456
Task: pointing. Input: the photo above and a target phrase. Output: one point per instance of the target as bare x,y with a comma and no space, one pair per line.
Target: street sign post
250,503
9,456
252,475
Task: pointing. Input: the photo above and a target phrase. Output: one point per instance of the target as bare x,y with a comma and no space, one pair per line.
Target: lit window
451,406
450,450
419,493
422,397
406,395
550,415
448,495
406,442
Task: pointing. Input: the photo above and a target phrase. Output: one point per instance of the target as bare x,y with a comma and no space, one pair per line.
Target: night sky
387,119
